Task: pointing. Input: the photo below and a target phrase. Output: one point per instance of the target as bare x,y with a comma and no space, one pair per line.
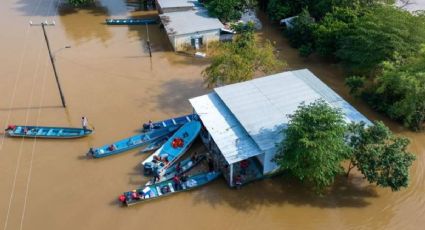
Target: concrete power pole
52,58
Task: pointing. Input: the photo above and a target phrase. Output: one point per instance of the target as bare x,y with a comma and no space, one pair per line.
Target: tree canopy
80,2
239,60
313,145
380,156
228,10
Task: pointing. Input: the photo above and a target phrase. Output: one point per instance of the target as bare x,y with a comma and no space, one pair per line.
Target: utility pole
148,41
52,58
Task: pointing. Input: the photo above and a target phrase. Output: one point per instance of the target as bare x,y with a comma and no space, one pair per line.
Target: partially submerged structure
243,122
191,28
167,6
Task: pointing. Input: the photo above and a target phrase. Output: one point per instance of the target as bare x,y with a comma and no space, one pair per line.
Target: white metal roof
189,22
229,135
262,105
175,3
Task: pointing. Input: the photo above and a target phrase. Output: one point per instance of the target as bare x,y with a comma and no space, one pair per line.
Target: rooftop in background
245,119
188,22
176,3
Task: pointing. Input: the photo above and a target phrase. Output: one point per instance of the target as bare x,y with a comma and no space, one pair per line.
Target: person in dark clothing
210,164
178,168
155,173
177,183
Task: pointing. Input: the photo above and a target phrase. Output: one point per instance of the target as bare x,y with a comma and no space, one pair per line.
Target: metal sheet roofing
229,135
189,22
262,105
175,3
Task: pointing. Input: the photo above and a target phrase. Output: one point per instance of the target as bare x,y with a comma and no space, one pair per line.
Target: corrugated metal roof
175,3
229,135
189,22
262,105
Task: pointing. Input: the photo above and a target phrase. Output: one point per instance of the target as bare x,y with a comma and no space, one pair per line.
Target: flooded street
107,75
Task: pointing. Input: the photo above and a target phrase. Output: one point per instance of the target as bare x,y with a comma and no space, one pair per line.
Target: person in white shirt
84,122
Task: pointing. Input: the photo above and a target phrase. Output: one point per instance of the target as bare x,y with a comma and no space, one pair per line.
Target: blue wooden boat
47,132
173,149
131,21
171,122
185,166
154,145
131,142
166,188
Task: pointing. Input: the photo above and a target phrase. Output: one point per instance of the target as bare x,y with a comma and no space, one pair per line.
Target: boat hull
129,21
48,132
187,133
131,142
156,191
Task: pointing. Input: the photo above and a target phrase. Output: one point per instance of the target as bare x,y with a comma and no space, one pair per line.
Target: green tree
355,84
401,89
277,10
333,28
379,35
80,2
239,60
313,145
301,32
380,156
228,10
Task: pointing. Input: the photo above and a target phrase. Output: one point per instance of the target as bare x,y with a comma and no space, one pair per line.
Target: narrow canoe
47,132
171,122
131,21
175,147
166,188
130,142
186,165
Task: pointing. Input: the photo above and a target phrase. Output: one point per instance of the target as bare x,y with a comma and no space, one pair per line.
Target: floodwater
108,76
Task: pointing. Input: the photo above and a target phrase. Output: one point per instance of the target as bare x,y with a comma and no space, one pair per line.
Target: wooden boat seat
171,187
174,121
49,132
60,132
40,131
184,185
165,125
188,119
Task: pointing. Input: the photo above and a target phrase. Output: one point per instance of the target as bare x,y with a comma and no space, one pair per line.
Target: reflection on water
85,24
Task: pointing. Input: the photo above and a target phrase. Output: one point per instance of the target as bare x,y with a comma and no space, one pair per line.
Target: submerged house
191,28
242,122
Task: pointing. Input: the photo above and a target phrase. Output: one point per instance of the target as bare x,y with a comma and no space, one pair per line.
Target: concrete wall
180,41
268,165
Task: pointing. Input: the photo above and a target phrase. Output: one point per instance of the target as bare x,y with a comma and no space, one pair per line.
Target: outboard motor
148,168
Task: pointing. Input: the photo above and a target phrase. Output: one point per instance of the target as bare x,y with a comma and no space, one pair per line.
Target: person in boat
183,178
194,157
155,173
178,168
112,148
150,123
84,122
135,195
164,158
25,130
177,183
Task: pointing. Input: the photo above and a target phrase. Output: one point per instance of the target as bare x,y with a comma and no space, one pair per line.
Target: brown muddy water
108,76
